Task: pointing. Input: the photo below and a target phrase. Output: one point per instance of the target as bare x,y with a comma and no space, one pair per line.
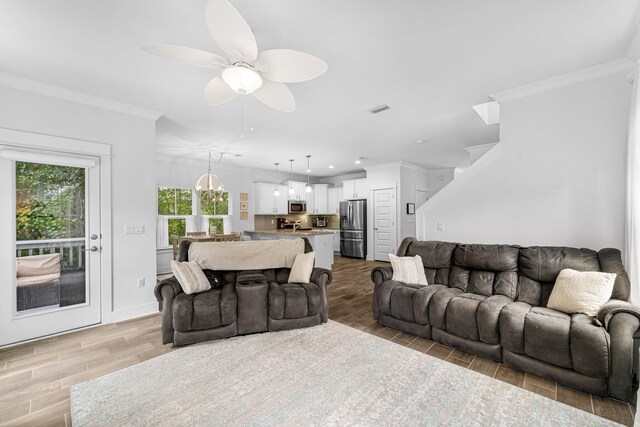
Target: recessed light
308,170
420,141
330,166
360,160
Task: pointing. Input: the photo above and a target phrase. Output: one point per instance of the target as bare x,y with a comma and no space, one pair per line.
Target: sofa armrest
165,292
613,307
171,282
380,275
321,276
622,321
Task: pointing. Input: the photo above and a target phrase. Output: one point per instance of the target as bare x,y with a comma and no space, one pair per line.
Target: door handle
92,249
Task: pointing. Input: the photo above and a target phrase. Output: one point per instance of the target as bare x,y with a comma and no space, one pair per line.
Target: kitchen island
321,242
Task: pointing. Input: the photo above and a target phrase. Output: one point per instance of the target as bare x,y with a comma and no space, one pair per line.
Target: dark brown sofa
241,302
491,300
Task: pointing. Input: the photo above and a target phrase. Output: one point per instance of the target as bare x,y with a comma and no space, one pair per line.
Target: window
181,210
174,201
215,213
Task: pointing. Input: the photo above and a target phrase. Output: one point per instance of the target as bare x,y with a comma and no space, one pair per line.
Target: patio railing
72,250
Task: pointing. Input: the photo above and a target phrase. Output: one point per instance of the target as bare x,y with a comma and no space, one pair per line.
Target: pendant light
308,189
277,192
210,184
291,191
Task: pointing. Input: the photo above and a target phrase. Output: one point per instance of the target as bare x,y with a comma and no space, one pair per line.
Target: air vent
379,109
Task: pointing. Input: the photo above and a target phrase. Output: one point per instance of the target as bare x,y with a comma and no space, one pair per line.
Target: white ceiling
429,60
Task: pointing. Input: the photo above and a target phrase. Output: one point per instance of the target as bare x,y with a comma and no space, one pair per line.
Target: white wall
556,178
133,183
411,179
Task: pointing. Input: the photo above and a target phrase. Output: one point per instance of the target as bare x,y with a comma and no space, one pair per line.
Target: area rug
325,375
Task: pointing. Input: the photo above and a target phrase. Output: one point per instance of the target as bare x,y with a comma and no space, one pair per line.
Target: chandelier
210,184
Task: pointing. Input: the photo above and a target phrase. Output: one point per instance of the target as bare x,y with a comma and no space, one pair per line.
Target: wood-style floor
35,377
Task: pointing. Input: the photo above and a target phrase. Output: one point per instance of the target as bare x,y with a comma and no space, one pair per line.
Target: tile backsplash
269,222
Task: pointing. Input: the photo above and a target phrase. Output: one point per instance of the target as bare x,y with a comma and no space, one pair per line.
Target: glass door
54,228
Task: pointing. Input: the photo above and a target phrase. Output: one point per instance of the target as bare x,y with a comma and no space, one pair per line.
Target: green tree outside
50,201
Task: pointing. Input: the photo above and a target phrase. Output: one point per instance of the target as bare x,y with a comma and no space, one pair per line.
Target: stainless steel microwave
297,207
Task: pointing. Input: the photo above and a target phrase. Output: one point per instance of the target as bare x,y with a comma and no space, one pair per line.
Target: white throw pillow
302,268
190,277
408,269
581,291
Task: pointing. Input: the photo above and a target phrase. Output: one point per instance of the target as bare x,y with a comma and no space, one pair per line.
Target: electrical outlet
440,226
141,282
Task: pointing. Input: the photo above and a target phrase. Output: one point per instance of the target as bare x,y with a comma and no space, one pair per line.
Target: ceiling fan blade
276,95
230,31
187,55
289,66
217,92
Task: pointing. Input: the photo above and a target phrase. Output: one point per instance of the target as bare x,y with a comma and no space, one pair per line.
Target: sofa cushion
571,342
546,336
302,268
294,300
190,276
542,264
475,317
581,291
409,270
406,302
438,307
486,269
589,347
436,258
512,318
205,310
462,316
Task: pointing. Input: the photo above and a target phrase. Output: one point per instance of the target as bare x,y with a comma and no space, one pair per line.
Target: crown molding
579,76
397,164
53,91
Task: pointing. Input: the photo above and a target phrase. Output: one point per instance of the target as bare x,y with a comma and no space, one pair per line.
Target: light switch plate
134,229
440,226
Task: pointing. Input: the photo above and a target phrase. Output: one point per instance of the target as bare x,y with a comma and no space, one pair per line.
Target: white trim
47,159
579,76
400,163
46,89
19,138
133,312
483,147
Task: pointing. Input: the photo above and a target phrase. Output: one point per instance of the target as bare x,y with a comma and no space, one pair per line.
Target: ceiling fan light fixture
242,79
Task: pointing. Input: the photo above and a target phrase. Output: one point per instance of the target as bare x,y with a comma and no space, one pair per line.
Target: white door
50,254
332,201
348,190
384,223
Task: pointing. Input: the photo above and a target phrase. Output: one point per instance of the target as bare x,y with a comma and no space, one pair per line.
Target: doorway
52,235
384,223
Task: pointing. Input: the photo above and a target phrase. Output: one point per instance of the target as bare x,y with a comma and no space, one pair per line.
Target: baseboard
133,312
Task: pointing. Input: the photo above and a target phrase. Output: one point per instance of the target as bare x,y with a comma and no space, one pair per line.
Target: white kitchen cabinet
317,200
298,190
267,203
333,201
355,189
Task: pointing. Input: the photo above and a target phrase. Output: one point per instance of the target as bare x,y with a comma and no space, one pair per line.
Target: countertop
291,232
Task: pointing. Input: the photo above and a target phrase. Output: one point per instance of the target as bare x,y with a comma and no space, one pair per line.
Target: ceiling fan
246,71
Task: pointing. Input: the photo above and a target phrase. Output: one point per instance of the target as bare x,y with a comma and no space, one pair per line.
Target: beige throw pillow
190,276
581,291
409,270
302,268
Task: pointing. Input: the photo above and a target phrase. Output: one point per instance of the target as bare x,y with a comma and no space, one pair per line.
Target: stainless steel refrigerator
353,228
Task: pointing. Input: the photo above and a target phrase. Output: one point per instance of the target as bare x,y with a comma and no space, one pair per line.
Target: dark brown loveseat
491,300
241,302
